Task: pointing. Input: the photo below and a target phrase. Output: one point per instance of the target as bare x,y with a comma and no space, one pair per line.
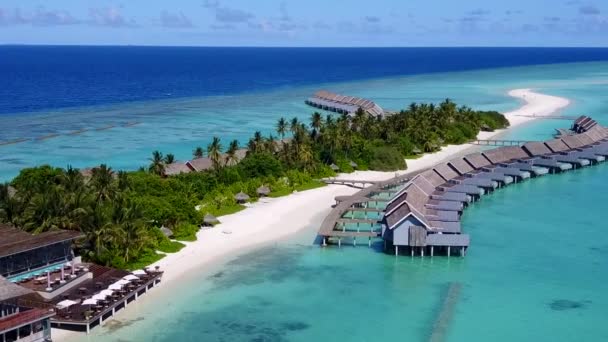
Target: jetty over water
419,213
343,104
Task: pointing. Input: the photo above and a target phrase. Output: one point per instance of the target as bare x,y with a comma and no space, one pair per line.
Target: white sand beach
274,218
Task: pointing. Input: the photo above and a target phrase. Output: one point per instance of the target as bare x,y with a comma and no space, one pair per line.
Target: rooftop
13,240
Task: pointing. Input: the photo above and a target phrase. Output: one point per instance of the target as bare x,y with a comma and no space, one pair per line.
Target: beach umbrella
130,277
89,301
99,296
241,197
106,292
334,167
115,287
65,304
210,220
416,150
353,164
263,190
139,272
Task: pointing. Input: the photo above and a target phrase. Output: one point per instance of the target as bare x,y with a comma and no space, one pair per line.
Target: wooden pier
498,142
359,184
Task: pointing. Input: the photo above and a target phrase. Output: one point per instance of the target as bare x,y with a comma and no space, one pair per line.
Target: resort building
343,104
44,284
22,254
421,215
20,321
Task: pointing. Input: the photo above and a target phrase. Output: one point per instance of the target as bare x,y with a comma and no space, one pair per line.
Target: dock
499,142
419,213
342,104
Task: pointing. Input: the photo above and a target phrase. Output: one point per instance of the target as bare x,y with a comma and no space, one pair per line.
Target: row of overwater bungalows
424,216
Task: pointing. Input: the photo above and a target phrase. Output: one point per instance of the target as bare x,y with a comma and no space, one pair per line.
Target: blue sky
306,22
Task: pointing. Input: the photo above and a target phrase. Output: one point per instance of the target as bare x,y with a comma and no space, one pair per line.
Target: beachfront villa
420,213
343,104
44,284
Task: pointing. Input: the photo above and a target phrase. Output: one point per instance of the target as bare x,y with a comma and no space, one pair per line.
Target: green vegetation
119,213
169,246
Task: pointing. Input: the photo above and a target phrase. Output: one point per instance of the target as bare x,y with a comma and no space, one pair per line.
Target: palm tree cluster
44,198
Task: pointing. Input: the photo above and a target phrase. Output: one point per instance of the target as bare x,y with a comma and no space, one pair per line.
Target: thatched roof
176,168
9,290
241,196
166,231
263,190
353,164
334,167
11,191
210,219
200,164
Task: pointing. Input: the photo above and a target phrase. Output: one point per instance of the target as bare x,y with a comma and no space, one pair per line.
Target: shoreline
273,219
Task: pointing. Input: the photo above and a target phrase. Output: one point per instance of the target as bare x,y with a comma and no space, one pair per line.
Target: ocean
535,269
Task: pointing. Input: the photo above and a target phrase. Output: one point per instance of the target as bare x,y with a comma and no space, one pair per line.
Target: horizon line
314,47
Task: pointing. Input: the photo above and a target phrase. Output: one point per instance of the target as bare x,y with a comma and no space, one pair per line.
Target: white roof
89,301
65,304
139,272
130,277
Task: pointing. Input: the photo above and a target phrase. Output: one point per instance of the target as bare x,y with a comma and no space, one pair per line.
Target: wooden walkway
330,228
359,184
494,142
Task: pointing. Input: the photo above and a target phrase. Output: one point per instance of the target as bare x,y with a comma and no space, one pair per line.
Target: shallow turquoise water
535,270
178,126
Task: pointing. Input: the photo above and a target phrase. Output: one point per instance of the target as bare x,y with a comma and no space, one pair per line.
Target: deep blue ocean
534,272
35,78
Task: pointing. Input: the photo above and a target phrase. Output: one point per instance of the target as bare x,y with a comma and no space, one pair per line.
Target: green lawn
303,187
144,261
170,246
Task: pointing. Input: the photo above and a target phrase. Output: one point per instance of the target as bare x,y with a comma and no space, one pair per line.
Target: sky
306,22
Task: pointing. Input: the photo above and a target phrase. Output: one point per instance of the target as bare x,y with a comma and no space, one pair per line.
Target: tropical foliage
119,213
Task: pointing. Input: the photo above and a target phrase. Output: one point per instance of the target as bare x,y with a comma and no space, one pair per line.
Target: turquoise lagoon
178,126
536,269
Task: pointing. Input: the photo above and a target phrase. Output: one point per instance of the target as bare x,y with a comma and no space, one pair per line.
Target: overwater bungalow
423,215
343,104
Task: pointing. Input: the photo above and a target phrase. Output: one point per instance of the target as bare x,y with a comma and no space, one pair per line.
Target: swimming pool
36,273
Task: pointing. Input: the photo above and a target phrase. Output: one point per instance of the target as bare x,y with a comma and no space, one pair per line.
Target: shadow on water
446,312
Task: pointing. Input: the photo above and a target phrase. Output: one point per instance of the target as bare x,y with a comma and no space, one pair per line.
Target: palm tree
157,163
169,158
123,181
198,152
231,158
295,124
282,127
258,141
214,151
101,182
316,121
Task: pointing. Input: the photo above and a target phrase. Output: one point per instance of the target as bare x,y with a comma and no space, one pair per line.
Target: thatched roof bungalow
241,197
263,190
